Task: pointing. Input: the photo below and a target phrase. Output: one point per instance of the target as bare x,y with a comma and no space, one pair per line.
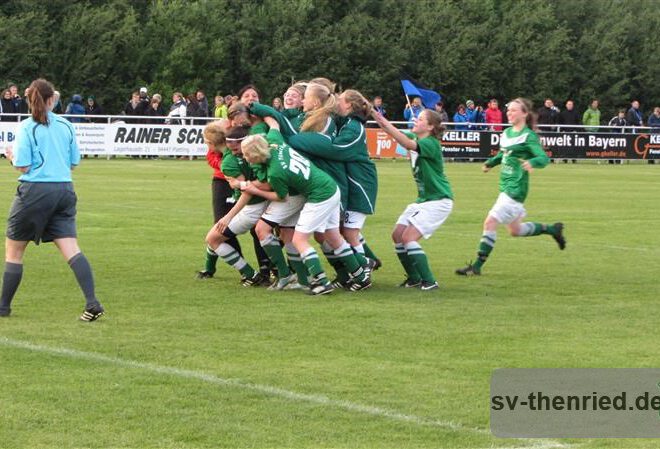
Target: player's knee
263,230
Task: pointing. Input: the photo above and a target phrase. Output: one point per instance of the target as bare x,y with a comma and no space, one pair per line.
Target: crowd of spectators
195,109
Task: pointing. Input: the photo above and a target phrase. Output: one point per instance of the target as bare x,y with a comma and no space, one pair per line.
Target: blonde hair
256,147
316,120
216,133
324,82
359,105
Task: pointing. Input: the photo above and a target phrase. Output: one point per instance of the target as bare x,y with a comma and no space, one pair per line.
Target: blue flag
429,97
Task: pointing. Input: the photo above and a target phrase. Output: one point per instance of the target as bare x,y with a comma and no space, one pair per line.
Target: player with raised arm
520,153
434,196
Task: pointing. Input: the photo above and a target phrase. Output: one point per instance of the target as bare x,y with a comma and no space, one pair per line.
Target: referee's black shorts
43,212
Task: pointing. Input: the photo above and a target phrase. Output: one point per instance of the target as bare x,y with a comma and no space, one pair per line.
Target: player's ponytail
359,105
316,120
39,92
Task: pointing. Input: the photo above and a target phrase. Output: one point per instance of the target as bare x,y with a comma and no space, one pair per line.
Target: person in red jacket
221,192
494,115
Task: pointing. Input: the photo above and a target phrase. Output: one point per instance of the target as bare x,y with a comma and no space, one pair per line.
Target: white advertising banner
127,139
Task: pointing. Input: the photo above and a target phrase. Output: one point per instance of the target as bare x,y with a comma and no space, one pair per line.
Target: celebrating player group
287,176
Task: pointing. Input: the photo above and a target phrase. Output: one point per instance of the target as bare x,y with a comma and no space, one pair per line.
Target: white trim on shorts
354,220
506,210
317,217
426,217
285,213
247,218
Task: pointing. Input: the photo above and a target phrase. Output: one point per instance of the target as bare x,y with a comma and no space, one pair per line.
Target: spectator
133,108
461,118
277,104
229,100
93,108
591,116
203,103
7,107
194,110
156,109
23,104
178,109
634,115
16,100
619,121
548,115
474,114
494,115
75,108
440,109
378,106
57,109
220,110
412,111
654,120
569,116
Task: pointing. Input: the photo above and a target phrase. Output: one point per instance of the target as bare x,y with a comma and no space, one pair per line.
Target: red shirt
214,160
494,116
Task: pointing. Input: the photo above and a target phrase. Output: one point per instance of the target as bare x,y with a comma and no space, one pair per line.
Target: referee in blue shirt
44,209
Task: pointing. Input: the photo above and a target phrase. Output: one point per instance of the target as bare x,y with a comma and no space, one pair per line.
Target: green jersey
235,167
516,147
428,170
350,148
289,119
289,171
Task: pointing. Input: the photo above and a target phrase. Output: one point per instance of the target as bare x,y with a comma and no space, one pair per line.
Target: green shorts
43,211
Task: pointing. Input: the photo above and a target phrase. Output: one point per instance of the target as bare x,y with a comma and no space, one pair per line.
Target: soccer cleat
337,284
256,280
355,285
93,313
470,270
409,284
320,289
375,264
558,236
5,311
427,286
204,274
281,284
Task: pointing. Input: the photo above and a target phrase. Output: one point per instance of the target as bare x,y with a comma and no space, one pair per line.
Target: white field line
268,390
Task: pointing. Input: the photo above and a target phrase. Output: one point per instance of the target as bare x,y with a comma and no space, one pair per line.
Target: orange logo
645,142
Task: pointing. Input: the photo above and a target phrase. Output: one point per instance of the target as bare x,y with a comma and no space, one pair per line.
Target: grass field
183,363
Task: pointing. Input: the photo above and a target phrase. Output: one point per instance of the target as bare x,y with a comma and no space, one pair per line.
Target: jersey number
299,164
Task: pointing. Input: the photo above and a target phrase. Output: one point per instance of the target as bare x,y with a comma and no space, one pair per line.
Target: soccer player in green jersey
520,153
349,148
245,213
434,196
288,170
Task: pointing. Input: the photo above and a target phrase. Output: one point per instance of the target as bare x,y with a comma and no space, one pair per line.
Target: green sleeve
495,160
585,117
316,144
274,136
539,159
260,172
259,128
429,148
230,166
287,126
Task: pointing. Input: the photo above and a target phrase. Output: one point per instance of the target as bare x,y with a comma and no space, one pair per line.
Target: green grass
228,349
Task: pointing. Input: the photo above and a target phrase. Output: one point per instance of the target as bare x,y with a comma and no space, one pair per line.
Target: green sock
211,261
407,263
359,255
333,260
486,245
296,263
418,256
274,252
367,250
313,264
347,258
234,259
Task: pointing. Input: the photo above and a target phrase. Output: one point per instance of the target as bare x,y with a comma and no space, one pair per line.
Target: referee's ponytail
39,92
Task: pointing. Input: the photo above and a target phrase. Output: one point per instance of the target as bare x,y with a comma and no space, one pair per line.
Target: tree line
477,49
